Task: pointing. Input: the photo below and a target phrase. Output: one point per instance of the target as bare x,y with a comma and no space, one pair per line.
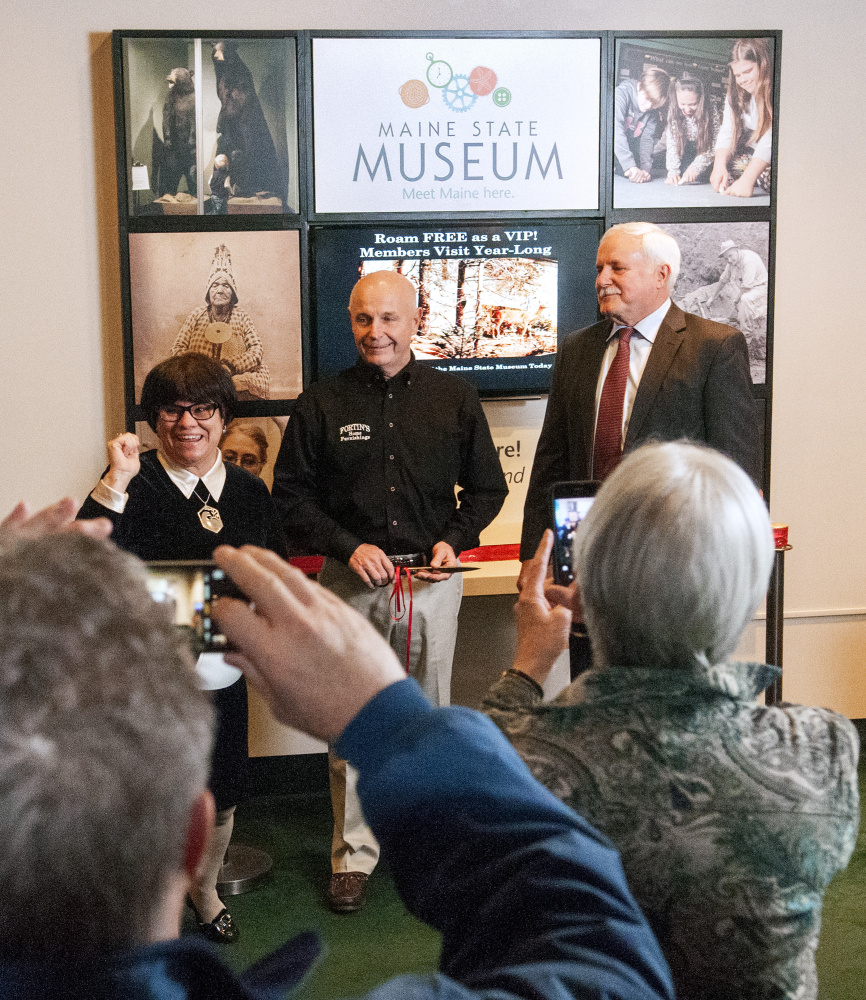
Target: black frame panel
607,214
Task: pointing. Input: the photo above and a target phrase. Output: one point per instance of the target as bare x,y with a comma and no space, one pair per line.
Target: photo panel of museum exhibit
496,297
211,125
234,296
693,122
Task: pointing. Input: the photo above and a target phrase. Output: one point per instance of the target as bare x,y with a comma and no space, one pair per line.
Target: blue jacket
530,900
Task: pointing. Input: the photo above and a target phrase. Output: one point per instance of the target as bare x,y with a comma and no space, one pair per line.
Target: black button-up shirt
372,460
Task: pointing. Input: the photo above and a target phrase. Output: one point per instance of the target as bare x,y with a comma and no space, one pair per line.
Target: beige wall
61,338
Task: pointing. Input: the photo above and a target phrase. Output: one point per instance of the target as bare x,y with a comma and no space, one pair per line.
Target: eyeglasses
199,411
246,461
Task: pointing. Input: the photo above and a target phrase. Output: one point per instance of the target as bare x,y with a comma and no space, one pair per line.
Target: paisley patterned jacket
731,817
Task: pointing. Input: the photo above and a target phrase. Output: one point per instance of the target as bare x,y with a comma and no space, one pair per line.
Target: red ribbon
484,553
397,604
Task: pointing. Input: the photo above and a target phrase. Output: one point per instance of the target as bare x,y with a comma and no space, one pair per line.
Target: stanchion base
242,869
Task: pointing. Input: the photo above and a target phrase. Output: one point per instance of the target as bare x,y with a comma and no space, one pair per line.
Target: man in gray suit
647,370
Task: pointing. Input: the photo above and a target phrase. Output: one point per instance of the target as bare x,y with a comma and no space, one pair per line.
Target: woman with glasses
246,445
180,501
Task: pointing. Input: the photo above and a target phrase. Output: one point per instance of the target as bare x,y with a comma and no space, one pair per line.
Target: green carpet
382,940
362,949
842,948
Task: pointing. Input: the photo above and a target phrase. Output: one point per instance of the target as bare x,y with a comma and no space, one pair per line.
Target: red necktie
607,450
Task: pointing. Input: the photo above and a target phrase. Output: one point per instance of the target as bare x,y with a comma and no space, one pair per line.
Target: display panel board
484,165
456,124
496,297
724,277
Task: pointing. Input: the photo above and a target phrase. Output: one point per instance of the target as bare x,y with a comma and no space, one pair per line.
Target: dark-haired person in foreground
731,816
180,501
103,724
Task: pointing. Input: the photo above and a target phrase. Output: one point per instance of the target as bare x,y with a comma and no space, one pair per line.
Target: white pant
431,653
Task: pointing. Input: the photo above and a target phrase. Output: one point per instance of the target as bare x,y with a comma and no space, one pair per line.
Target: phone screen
568,512
188,591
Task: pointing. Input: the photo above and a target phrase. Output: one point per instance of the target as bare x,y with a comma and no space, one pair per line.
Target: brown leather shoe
346,891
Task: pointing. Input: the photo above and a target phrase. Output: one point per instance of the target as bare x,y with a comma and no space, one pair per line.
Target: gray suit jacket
696,385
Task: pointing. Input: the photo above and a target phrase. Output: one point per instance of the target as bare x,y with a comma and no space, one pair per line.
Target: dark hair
192,376
677,120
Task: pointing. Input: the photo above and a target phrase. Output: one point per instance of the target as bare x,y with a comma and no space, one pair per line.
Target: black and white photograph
233,296
693,122
211,125
724,277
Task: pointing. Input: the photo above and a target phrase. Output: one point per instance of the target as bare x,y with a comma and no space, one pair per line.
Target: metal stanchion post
242,867
776,622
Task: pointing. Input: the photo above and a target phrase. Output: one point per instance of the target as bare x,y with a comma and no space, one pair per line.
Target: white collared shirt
214,480
639,351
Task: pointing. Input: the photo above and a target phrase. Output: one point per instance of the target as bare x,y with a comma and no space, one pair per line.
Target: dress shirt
214,480
640,348
372,460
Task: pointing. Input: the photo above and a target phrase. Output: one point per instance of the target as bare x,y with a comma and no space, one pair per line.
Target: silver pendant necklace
208,515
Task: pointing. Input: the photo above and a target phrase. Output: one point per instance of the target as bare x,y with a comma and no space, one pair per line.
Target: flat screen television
497,297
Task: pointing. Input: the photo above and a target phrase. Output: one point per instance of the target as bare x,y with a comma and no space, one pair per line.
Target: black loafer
347,891
222,929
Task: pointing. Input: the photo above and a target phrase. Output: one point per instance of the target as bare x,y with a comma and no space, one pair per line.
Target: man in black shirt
366,472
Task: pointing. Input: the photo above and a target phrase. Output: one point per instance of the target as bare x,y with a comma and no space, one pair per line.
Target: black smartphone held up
570,504
189,588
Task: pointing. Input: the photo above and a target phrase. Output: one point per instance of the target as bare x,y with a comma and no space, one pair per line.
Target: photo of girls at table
693,122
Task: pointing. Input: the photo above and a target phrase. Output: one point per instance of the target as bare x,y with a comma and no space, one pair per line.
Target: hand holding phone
570,503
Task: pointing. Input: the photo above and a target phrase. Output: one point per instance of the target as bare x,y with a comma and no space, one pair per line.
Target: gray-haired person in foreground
102,723
731,816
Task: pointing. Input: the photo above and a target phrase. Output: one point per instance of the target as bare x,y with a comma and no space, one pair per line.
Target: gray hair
104,746
658,247
673,558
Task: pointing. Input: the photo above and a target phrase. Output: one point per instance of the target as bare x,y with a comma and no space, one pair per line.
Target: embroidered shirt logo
354,432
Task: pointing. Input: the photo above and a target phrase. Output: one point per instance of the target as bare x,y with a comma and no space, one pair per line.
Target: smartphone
189,588
570,503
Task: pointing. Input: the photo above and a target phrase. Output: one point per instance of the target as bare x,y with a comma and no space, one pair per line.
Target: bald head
385,281
385,316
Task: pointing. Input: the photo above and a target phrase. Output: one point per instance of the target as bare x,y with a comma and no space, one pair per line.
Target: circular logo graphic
457,94
502,97
414,94
482,80
439,73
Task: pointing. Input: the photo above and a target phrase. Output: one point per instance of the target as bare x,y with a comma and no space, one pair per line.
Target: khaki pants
434,634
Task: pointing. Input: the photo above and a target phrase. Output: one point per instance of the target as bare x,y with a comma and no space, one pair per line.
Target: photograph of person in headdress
234,297
224,331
